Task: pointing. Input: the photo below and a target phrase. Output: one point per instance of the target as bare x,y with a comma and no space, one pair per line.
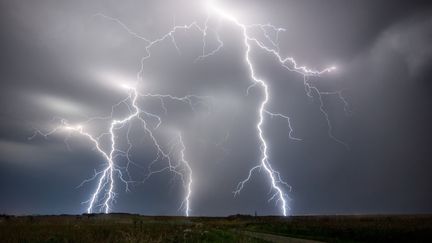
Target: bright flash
104,194
215,9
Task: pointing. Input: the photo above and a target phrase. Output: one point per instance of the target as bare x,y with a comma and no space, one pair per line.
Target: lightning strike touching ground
103,196
290,64
105,192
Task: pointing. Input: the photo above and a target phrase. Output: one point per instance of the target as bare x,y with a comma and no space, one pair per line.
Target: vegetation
136,228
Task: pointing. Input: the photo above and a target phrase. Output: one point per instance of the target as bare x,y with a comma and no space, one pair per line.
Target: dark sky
58,59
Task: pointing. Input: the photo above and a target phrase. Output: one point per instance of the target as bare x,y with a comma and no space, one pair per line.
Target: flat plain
118,227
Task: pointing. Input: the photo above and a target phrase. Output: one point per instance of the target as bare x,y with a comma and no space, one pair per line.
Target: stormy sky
62,59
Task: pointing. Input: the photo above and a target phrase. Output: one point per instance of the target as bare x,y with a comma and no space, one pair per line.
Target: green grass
135,228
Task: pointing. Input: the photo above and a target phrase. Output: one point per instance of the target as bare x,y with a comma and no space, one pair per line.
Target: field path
278,238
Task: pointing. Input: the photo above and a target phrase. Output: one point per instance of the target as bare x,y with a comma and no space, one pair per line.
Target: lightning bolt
104,194
186,201
290,64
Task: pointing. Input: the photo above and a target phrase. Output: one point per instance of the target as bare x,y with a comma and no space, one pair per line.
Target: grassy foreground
136,228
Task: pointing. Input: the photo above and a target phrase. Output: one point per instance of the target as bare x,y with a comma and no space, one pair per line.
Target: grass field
136,228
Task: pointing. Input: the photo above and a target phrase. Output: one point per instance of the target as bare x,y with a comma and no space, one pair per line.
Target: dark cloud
57,55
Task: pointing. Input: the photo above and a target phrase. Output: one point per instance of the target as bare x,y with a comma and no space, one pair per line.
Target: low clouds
410,41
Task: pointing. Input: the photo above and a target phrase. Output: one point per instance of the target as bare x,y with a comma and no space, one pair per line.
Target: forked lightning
103,196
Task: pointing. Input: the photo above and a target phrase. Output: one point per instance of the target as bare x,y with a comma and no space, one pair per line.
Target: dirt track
278,238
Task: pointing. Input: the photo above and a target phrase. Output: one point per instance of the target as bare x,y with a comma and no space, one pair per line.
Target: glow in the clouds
104,194
102,197
289,63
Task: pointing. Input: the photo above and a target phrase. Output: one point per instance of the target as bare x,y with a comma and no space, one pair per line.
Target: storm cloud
59,58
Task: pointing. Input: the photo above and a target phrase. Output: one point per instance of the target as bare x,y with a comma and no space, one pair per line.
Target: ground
239,228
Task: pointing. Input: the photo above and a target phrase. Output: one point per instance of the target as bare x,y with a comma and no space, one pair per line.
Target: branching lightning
104,194
290,64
